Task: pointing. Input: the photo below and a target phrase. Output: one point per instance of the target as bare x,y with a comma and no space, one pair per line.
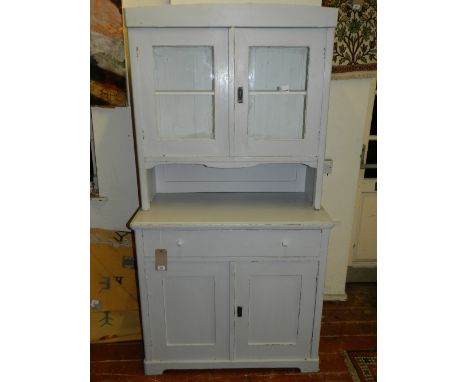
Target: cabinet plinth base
158,367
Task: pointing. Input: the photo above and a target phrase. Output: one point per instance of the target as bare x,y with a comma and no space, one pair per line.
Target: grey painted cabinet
230,106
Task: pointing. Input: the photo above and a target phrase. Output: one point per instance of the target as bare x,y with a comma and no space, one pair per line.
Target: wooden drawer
238,243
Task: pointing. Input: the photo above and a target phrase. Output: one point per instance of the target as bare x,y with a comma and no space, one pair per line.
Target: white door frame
363,186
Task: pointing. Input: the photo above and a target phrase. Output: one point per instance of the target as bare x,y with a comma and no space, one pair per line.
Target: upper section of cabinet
231,15
230,82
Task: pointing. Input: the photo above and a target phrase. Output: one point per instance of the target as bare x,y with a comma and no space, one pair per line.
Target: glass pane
276,116
370,173
273,67
183,68
184,116
373,129
372,153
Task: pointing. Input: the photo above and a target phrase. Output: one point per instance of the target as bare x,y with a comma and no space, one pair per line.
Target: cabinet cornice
231,15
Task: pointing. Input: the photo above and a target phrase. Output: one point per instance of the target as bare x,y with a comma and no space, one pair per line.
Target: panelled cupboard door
279,75
275,302
181,90
189,310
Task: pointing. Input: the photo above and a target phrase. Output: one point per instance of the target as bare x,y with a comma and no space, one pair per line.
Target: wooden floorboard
117,351
346,325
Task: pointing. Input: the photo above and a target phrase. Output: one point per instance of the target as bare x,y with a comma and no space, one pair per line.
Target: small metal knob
179,243
284,243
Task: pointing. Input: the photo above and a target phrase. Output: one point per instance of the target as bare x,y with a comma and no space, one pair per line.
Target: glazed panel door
279,75
181,90
274,308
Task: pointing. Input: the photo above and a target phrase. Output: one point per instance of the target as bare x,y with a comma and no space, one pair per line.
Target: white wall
346,122
115,159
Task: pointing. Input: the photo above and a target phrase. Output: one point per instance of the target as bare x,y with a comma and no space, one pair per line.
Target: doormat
362,364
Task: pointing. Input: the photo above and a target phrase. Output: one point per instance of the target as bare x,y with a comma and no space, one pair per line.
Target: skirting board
157,367
362,273
335,297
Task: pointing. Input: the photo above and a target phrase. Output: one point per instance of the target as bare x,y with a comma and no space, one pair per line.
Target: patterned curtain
355,46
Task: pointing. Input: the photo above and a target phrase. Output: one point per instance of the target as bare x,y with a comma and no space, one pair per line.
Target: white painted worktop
291,210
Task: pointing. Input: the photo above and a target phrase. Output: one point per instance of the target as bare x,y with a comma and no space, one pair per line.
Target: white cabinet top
231,15
236,210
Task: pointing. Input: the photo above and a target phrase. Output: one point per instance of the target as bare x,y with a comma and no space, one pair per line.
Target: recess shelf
292,210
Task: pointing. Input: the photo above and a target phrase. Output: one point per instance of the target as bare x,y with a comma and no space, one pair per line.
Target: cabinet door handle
240,94
239,311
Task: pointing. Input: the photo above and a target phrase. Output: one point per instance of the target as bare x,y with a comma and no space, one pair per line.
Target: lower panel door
189,310
275,303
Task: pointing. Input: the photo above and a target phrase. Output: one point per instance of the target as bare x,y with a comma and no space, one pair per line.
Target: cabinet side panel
143,285
319,293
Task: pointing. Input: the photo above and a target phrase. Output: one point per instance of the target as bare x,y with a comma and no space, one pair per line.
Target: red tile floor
350,325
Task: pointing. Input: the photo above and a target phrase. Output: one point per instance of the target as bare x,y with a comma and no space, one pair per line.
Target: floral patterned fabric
355,46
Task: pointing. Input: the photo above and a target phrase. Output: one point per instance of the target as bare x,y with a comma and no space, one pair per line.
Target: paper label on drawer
161,259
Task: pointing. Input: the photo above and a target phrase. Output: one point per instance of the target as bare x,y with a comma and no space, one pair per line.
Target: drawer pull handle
284,243
239,311
179,243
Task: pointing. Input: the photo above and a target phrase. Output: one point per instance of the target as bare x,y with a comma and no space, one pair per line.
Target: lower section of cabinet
226,311
158,367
